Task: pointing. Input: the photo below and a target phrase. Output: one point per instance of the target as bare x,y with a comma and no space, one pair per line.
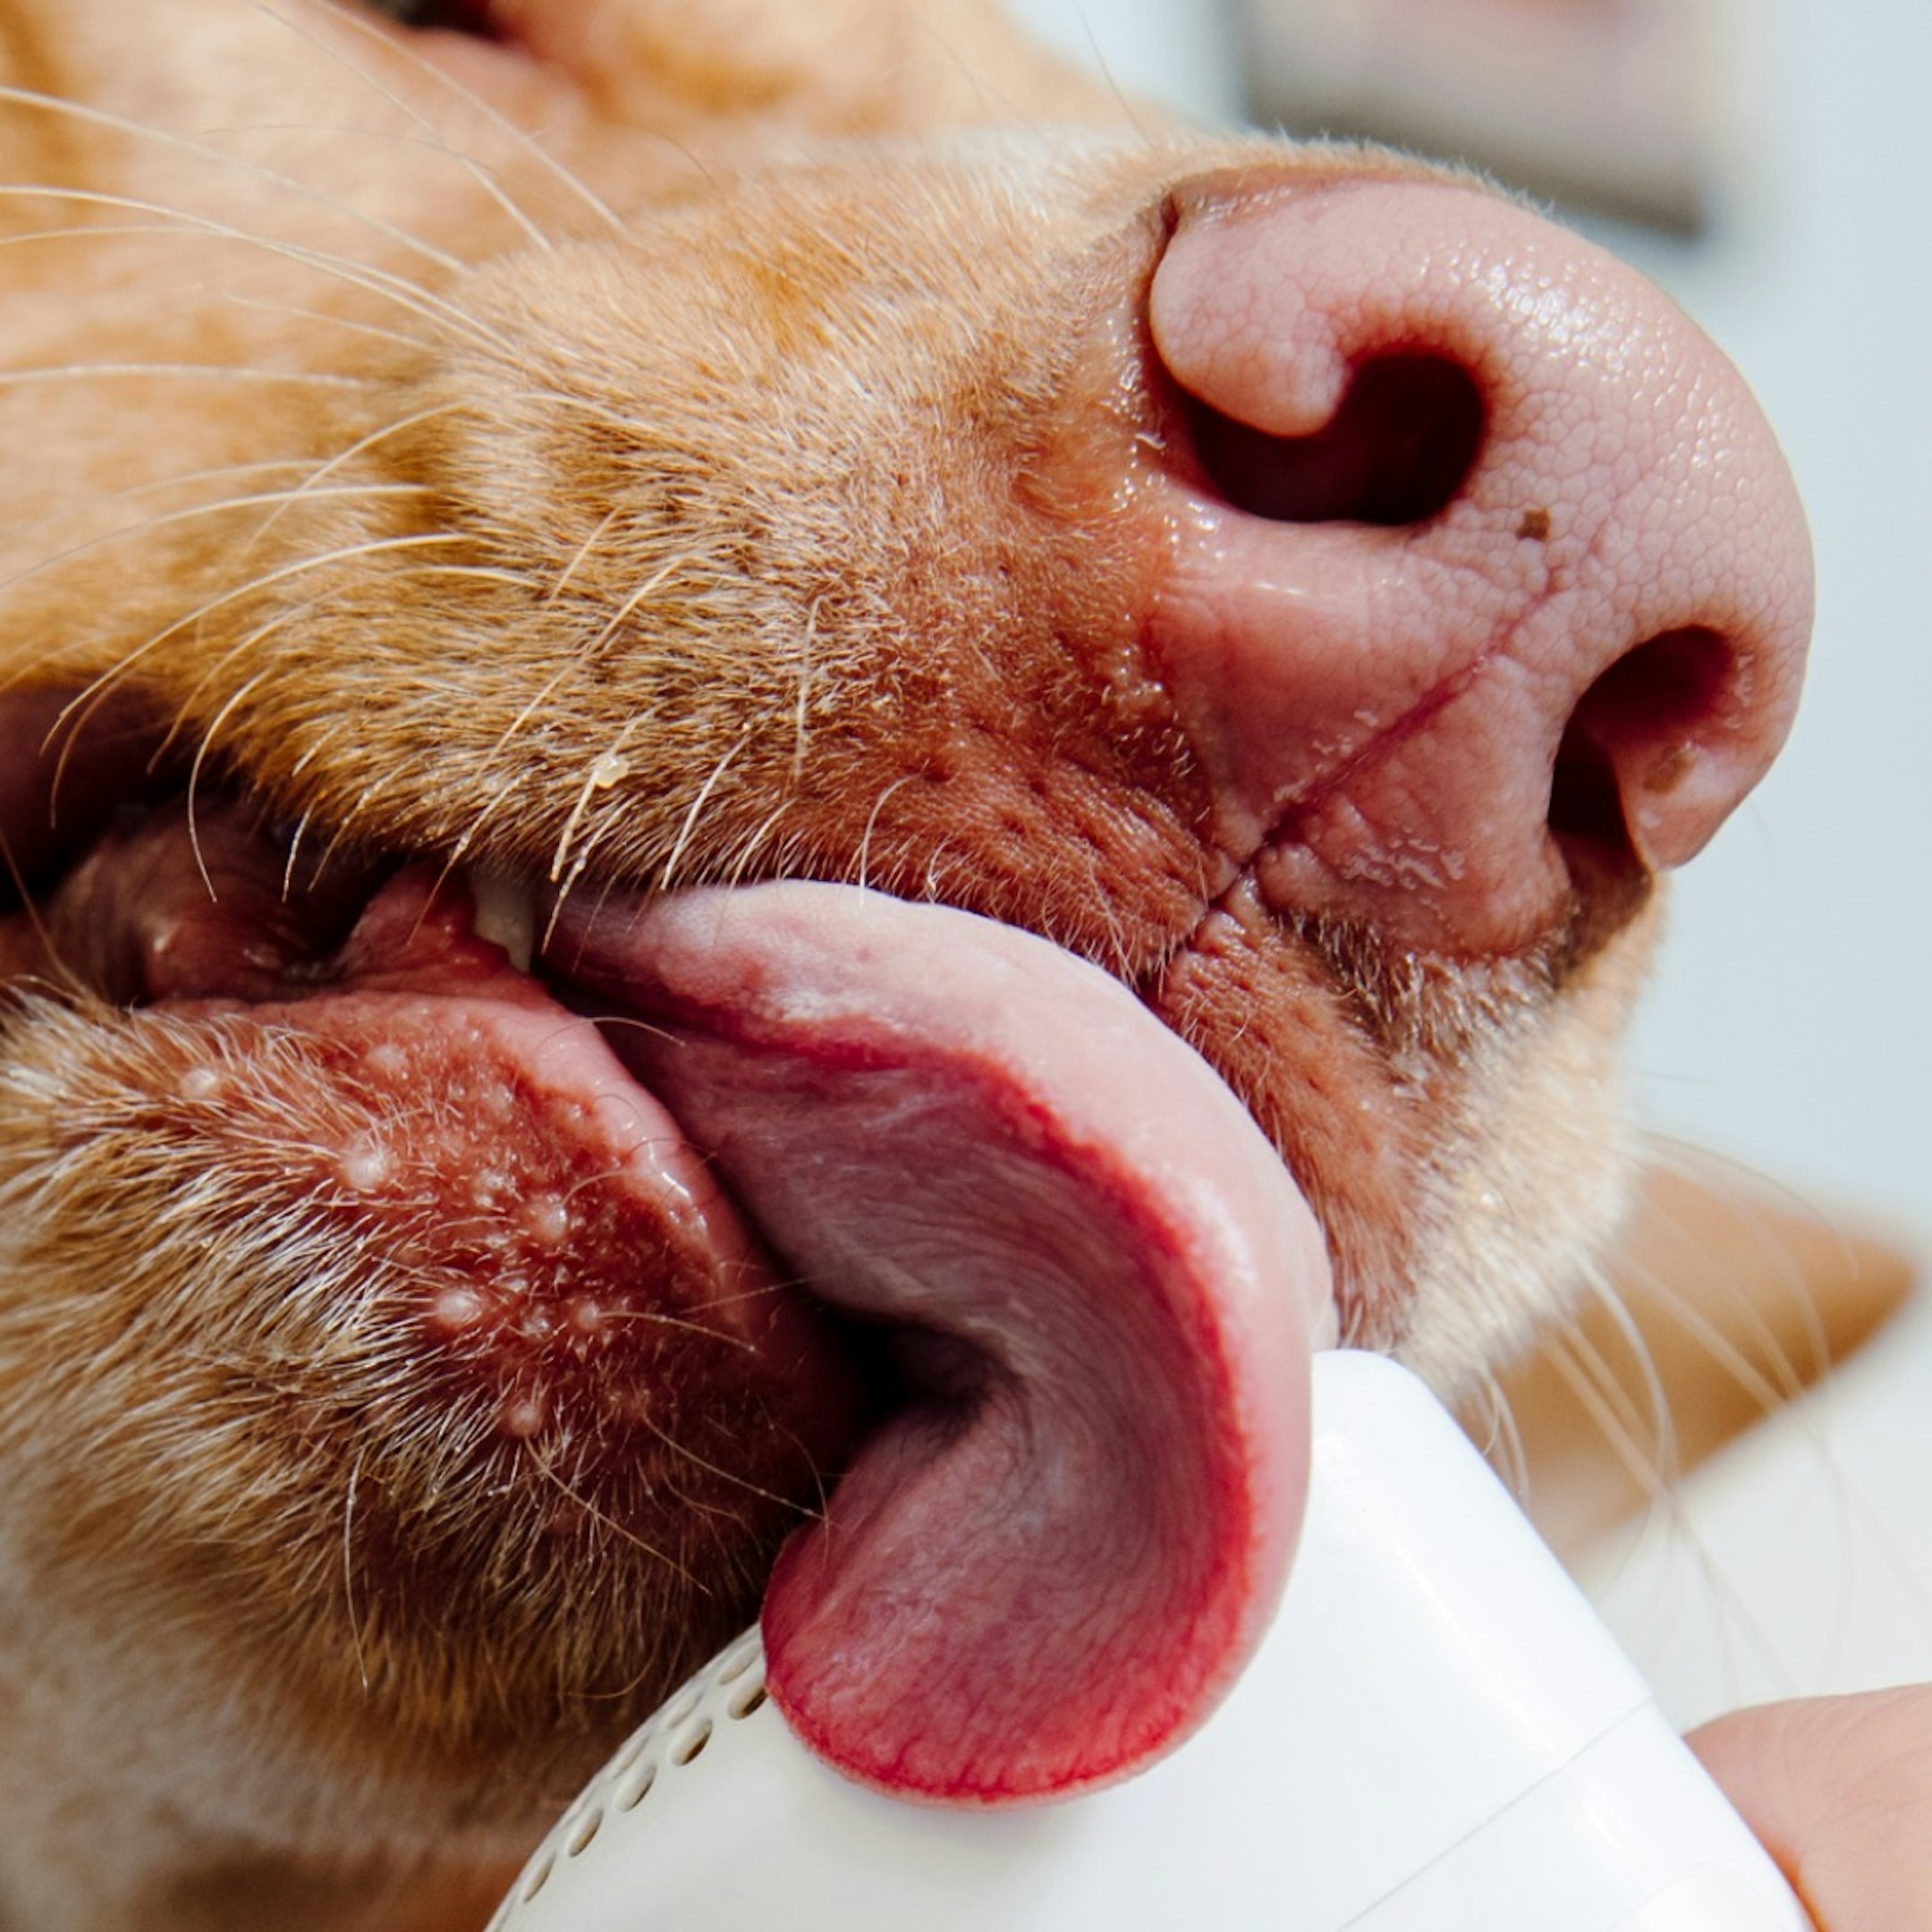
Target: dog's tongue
1100,1287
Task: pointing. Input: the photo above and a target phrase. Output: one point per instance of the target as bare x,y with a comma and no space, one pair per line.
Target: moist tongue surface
1054,1561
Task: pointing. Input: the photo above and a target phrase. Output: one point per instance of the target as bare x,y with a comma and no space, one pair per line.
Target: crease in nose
1490,585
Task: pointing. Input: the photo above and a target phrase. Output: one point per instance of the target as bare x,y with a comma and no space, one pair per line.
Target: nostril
1635,734
1585,805
1502,608
1397,451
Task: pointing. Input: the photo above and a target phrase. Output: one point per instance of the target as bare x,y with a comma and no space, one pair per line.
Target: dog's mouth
738,1191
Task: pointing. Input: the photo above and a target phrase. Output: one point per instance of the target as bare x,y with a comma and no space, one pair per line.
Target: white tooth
507,914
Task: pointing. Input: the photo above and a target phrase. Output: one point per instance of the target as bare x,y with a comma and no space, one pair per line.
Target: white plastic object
1438,1735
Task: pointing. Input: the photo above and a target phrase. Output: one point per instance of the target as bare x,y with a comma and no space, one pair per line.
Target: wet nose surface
1491,583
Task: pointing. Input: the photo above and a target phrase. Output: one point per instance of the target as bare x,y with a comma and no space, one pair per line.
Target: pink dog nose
1490,581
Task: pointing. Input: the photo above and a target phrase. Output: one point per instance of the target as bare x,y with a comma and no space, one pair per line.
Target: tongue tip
907,1678
1042,1752
1045,1743
916,1776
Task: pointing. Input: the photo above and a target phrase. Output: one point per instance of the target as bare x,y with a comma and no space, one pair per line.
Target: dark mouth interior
96,796
69,769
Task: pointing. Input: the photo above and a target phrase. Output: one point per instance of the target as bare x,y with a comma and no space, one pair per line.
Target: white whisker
547,1469
473,572
691,816
220,473
583,555
382,281
428,139
184,709
628,608
77,710
202,151
800,719
349,1593
221,506
194,776
872,818
571,183
188,372
399,427
353,325
602,771
296,844
748,851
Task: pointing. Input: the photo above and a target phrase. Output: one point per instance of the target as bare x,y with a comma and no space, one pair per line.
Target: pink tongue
1053,1563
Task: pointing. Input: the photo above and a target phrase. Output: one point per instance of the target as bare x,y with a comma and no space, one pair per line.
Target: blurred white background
1792,1026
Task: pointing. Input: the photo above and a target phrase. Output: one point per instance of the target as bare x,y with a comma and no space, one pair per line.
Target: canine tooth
506,915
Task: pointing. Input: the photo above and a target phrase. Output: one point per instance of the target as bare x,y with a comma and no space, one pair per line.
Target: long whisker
347,828
430,137
202,750
1701,1168
601,773
400,425
282,499
503,794
194,776
863,872
729,1477
604,827
584,551
348,1565
202,151
755,843
353,325
150,485
646,590
473,572
184,709
1594,1388
294,851
222,505
690,826
188,371
1502,1441
1653,1414
398,289
547,1469
603,769
80,707
568,178
121,231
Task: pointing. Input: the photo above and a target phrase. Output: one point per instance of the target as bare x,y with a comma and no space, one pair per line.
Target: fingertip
1838,1790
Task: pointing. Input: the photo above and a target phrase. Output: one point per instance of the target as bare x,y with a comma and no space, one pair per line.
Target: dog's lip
556,1251
1104,1280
